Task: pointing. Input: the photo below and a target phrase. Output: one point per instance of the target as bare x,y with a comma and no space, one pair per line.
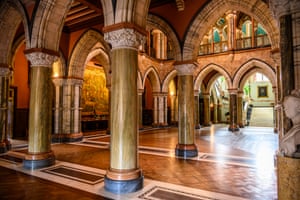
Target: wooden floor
239,164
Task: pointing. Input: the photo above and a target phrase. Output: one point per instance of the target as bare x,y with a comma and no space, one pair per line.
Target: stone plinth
288,172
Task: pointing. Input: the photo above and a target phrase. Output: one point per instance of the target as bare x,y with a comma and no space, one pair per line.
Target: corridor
237,165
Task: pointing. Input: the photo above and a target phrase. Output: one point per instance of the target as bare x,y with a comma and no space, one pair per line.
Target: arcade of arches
143,65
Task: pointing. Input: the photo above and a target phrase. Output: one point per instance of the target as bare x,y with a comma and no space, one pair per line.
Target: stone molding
61,81
185,69
284,7
124,38
4,72
41,59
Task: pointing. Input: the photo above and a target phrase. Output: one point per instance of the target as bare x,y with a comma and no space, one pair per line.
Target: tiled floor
230,165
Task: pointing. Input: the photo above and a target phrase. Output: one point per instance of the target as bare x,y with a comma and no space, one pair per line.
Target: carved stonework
4,72
280,7
124,38
40,59
290,142
284,7
185,69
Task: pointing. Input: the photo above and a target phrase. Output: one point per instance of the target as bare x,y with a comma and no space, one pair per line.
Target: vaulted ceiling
86,13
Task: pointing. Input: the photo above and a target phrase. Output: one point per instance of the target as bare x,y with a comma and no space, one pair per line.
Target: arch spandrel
207,17
48,23
89,45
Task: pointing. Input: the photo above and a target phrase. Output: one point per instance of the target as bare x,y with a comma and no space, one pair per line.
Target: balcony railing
243,43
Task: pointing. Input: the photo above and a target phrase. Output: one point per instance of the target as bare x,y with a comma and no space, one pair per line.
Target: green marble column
40,111
5,144
140,108
124,174
186,122
233,126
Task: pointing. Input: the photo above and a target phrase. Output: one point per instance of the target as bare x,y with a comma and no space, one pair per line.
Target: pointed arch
139,81
132,11
154,21
12,14
169,77
207,16
251,66
90,44
154,79
208,69
48,23
211,82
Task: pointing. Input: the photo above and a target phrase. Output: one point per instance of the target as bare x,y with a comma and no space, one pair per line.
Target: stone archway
258,9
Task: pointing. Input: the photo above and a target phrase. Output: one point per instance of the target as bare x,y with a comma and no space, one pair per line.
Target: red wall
20,79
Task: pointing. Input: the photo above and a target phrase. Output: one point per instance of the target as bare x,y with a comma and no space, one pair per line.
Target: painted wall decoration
94,98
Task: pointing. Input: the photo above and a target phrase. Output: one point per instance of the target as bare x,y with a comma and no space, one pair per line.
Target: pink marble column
40,110
186,124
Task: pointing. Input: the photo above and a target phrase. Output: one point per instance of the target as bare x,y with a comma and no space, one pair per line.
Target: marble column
124,174
155,110
5,144
233,126
67,111
140,108
40,110
109,111
206,102
173,106
186,138
240,121
215,112
197,110
231,21
276,122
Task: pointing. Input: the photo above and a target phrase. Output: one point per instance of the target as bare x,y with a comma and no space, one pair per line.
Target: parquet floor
237,164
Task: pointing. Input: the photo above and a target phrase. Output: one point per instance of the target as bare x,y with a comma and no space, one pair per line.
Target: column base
67,137
288,174
197,126
186,150
241,126
108,131
5,146
275,130
119,182
233,128
38,160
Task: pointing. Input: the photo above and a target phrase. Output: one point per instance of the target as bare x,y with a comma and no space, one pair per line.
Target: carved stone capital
4,72
124,38
185,69
41,59
284,7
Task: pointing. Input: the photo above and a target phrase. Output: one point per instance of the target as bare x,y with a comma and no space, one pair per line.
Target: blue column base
37,164
186,153
122,187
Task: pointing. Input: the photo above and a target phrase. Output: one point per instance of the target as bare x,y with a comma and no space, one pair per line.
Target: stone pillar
197,116
124,174
288,15
276,122
140,108
233,126
186,138
206,102
155,110
173,106
215,112
231,20
40,110
240,121
5,144
109,111
67,111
